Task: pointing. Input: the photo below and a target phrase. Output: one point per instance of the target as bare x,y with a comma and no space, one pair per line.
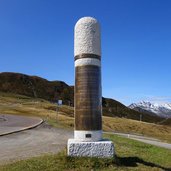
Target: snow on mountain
163,109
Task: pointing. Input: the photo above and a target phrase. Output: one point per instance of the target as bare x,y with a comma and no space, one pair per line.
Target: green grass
130,155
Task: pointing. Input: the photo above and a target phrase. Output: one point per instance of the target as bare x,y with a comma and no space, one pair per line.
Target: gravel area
34,142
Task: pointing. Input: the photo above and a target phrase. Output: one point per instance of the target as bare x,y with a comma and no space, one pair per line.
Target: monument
88,139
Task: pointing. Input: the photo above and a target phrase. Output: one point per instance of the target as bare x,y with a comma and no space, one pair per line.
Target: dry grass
132,126
63,117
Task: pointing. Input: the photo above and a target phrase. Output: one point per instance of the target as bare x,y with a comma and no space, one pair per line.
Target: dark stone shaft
88,110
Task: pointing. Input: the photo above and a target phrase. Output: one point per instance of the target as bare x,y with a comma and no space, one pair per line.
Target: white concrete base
101,149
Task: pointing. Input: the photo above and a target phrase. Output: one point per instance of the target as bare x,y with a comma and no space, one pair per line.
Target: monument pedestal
100,149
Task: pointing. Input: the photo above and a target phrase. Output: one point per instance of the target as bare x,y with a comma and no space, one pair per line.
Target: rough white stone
87,61
87,36
100,149
81,135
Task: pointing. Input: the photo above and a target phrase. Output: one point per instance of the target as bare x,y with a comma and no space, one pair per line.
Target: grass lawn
130,155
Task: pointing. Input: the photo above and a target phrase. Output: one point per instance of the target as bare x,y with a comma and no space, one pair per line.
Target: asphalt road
12,123
34,142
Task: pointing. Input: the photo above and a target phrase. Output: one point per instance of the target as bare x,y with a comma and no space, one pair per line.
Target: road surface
34,142
14,123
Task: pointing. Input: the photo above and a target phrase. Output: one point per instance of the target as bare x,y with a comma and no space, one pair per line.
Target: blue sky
36,38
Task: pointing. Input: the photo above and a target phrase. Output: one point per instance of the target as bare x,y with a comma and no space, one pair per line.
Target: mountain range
162,110
37,87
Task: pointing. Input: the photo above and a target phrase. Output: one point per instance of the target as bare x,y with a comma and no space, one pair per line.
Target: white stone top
87,36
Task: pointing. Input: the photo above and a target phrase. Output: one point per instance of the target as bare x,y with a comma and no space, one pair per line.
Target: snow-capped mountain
163,110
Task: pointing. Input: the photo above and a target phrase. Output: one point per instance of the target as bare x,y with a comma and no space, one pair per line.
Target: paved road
12,123
144,139
34,142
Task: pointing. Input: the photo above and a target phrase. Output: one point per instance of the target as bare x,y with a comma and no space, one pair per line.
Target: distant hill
34,86
114,108
162,110
37,87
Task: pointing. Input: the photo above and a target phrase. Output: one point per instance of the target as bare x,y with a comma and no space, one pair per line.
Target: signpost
59,103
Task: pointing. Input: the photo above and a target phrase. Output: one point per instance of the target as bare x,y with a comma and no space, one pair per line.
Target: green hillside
37,87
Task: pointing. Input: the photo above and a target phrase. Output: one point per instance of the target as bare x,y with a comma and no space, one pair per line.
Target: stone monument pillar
88,97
